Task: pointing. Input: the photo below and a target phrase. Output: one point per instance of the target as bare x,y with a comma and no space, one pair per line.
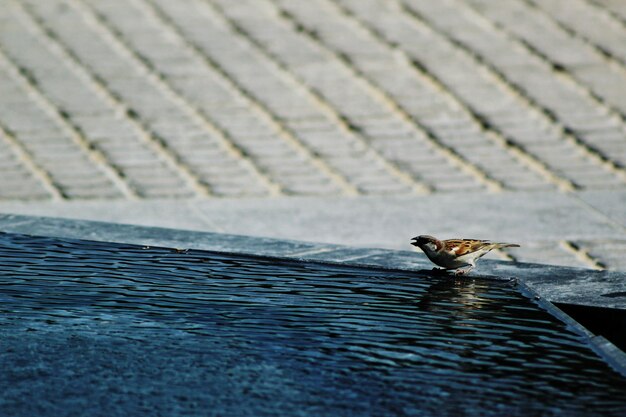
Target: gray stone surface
343,121
612,204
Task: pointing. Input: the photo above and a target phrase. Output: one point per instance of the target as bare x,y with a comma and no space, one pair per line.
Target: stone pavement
347,121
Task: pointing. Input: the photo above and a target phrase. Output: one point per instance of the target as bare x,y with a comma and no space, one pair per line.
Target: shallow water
92,328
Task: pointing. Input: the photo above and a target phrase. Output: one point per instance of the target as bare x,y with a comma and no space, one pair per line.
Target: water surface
91,328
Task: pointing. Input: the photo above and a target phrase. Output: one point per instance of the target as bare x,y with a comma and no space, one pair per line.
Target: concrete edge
604,348
558,284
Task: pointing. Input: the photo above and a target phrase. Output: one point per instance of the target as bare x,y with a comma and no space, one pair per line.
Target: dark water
100,329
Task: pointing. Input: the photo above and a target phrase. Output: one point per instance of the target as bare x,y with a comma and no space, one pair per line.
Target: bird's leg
463,271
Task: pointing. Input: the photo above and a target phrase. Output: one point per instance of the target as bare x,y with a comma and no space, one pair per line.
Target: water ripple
192,332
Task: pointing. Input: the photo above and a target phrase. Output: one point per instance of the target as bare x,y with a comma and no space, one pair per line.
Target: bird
456,253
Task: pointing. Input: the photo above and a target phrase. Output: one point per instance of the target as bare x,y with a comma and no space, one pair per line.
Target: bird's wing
462,247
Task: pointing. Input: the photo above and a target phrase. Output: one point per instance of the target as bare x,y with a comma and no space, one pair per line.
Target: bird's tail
506,245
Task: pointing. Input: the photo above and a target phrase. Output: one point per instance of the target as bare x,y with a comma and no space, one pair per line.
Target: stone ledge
556,284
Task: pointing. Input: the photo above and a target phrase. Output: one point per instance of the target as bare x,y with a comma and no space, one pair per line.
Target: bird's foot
465,271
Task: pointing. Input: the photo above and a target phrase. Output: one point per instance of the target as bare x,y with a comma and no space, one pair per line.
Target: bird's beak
414,241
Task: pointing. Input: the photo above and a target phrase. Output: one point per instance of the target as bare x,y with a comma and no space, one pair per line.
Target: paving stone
606,252
611,204
91,192
166,191
601,30
327,98
25,191
312,187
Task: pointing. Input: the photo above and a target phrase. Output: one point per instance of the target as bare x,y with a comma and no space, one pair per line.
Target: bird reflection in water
458,295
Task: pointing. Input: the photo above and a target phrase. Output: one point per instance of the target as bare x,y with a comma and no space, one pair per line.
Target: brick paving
201,99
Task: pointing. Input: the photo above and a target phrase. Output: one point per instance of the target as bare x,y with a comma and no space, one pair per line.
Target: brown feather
463,246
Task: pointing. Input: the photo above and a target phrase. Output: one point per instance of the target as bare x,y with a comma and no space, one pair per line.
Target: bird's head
426,242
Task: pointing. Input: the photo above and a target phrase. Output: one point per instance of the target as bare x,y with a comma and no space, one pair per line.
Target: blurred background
360,122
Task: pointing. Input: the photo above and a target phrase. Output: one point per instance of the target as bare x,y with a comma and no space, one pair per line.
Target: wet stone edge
559,284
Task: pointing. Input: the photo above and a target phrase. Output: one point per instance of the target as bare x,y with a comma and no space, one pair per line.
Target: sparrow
456,253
